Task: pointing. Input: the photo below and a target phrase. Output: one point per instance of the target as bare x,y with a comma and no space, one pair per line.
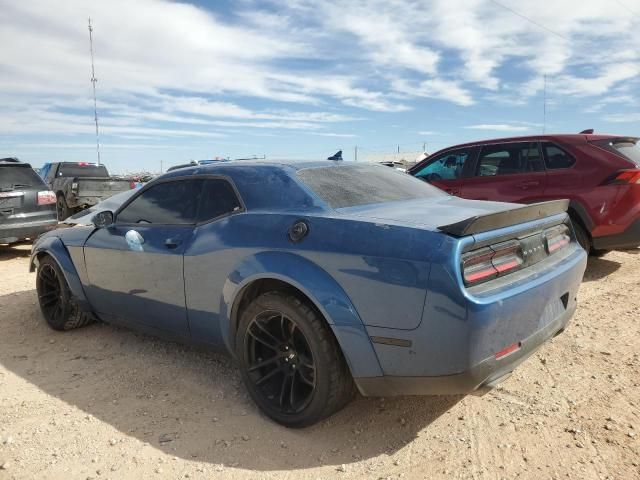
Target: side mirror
102,219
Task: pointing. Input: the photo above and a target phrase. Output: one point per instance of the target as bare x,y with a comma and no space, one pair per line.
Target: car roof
13,162
292,164
566,137
558,137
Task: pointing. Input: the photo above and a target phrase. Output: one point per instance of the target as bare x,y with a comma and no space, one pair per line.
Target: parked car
320,277
27,207
79,185
599,174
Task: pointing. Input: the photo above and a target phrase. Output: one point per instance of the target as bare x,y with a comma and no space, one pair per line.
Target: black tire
62,208
598,253
283,345
582,237
54,297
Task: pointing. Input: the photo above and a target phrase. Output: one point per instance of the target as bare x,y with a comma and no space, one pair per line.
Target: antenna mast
544,107
93,82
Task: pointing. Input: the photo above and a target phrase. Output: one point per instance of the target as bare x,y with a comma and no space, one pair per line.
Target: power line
93,82
539,25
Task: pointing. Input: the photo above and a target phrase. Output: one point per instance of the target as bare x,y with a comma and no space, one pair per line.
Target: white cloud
623,117
331,134
437,89
173,69
499,127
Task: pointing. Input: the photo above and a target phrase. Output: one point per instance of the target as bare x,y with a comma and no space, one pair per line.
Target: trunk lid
428,213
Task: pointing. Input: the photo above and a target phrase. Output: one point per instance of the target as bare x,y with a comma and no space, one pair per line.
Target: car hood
427,213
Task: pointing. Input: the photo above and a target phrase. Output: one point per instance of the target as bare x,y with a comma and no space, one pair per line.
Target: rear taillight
624,177
500,259
556,238
491,262
46,197
477,266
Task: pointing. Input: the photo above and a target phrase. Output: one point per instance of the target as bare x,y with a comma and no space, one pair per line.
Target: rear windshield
352,185
18,177
631,150
79,170
628,147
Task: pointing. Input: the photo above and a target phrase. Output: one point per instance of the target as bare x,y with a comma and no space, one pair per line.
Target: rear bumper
480,377
630,238
15,232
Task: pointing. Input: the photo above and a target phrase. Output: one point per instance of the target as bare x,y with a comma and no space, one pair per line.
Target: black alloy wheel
56,302
290,361
50,294
280,363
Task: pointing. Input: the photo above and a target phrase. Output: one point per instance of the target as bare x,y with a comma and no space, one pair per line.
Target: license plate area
10,200
553,310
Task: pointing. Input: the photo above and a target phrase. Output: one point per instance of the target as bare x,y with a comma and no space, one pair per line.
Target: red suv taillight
46,197
624,177
491,262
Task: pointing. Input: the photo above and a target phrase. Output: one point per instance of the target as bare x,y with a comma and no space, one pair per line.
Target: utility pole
398,148
544,106
161,171
424,147
355,153
93,82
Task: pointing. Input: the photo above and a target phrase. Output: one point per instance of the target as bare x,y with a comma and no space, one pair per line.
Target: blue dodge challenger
321,278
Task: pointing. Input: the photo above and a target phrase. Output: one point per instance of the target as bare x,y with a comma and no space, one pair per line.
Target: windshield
18,177
351,185
82,170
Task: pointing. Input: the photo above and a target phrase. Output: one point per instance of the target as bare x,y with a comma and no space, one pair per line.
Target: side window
555,157
168,203
218,198
445,167
509,158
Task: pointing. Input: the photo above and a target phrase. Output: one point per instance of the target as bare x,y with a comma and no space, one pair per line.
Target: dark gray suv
27,207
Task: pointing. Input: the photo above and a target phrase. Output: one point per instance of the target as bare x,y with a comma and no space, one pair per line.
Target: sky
302,78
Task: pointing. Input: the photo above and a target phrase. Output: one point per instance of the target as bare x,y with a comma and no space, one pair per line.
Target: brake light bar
624,177
500,259
46,197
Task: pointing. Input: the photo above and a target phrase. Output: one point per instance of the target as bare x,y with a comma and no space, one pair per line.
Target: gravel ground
103,402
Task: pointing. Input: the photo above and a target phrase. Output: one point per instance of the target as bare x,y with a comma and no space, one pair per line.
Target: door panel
135,275
508,172
518,188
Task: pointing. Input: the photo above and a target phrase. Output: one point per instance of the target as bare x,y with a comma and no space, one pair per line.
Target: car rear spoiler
493,221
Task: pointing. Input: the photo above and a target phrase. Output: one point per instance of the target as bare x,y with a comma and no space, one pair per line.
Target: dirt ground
103,402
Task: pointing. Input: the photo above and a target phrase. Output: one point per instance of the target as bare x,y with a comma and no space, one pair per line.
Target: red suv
599,174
